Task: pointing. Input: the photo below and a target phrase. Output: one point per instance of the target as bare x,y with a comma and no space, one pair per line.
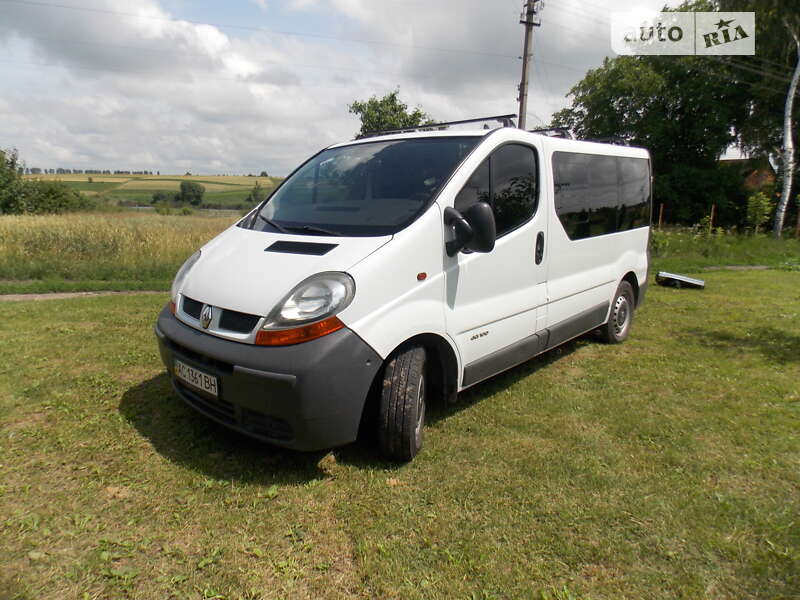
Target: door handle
539,247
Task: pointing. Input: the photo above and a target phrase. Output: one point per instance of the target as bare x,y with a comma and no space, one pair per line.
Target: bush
759,209
257,194
21,196
162,197
191,193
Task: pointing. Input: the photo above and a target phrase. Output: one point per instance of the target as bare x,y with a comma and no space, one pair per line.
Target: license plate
196,378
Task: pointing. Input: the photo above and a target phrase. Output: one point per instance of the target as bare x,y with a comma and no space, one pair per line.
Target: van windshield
370,189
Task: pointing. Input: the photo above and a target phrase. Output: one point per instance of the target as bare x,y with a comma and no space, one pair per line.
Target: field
222,191
138,250
663,468
114,251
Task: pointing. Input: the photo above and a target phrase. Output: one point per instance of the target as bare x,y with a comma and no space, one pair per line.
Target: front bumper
307,397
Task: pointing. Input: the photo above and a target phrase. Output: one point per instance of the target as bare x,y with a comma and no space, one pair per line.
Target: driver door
494,299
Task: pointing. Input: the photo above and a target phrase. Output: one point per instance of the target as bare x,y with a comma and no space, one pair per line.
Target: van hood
237,272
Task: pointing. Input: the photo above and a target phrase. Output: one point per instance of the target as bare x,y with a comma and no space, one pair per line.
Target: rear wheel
401,417
619,323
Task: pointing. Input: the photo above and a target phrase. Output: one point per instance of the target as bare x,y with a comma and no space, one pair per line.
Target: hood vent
312,248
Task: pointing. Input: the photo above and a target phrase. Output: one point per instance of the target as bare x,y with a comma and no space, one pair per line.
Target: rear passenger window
507,181
603,196
596,195
634,201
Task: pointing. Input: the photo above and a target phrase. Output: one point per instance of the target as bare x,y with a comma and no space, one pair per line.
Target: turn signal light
172,306
298,335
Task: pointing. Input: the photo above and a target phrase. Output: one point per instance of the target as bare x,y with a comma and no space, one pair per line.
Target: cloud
131,86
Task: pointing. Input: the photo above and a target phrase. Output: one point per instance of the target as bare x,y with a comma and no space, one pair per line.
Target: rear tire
618,327
401,416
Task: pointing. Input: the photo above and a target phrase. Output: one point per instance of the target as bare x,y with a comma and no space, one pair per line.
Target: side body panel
583,274
393,300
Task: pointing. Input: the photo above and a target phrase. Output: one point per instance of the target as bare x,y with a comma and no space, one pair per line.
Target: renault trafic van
405,268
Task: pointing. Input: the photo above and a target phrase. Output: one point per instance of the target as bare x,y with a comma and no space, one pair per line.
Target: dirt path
64,295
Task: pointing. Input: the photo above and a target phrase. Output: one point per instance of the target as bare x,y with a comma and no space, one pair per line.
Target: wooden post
711,221
661,216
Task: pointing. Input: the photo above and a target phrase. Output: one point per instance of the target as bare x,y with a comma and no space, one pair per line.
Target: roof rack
560,132
506,120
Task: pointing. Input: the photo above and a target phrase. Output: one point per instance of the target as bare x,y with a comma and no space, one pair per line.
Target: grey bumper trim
308,396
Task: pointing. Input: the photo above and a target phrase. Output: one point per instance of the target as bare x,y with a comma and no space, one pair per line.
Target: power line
261,29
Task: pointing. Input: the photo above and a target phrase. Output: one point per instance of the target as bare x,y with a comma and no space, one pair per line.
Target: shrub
20,196
759,209
257,194
191,192
162,197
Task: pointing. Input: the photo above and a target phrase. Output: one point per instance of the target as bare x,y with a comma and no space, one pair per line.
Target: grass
141,250
60,251
222,191
666,467
683,250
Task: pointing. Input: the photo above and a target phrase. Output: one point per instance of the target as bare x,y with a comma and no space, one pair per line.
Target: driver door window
507,181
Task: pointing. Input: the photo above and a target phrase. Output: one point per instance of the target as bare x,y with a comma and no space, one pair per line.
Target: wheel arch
441,370
631,278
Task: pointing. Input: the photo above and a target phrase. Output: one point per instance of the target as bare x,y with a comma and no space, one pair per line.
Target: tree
678,108
191,192
10,181
387,113
263,174
257,194
773,75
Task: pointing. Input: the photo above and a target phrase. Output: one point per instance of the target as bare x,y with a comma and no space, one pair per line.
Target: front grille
193,308
229,320
238,322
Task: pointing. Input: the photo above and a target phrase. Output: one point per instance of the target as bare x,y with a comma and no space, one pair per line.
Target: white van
390,271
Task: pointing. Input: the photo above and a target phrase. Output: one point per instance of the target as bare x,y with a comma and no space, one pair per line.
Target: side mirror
484,232
474,230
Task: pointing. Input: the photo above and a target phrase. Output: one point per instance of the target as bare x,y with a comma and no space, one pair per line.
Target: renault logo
205,316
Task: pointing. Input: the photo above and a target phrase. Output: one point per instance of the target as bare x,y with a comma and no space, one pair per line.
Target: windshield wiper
312,229
280,228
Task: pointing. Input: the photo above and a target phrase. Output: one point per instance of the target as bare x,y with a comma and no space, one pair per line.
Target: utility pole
530,18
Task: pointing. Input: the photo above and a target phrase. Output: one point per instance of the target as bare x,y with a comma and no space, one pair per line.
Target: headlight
314,299
180,276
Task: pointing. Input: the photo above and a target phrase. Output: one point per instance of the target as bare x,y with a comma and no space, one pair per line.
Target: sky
245,86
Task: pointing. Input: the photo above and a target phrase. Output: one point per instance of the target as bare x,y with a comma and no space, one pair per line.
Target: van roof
553,143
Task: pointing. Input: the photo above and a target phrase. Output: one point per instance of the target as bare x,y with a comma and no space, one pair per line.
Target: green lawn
663,468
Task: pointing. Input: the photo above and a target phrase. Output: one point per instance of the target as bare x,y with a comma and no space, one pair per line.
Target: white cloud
123,85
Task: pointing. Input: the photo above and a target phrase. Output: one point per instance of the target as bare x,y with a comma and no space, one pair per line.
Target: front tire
618,327
401,417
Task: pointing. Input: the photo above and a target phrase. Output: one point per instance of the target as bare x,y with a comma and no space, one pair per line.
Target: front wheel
619,323
402,408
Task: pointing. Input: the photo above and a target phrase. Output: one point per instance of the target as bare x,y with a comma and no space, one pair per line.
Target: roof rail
617,141
560,132
506,120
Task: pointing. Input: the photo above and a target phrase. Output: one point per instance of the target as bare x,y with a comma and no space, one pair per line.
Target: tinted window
513,186
571,173
602,197
634,201
507,181
375,188
596,195
477,189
